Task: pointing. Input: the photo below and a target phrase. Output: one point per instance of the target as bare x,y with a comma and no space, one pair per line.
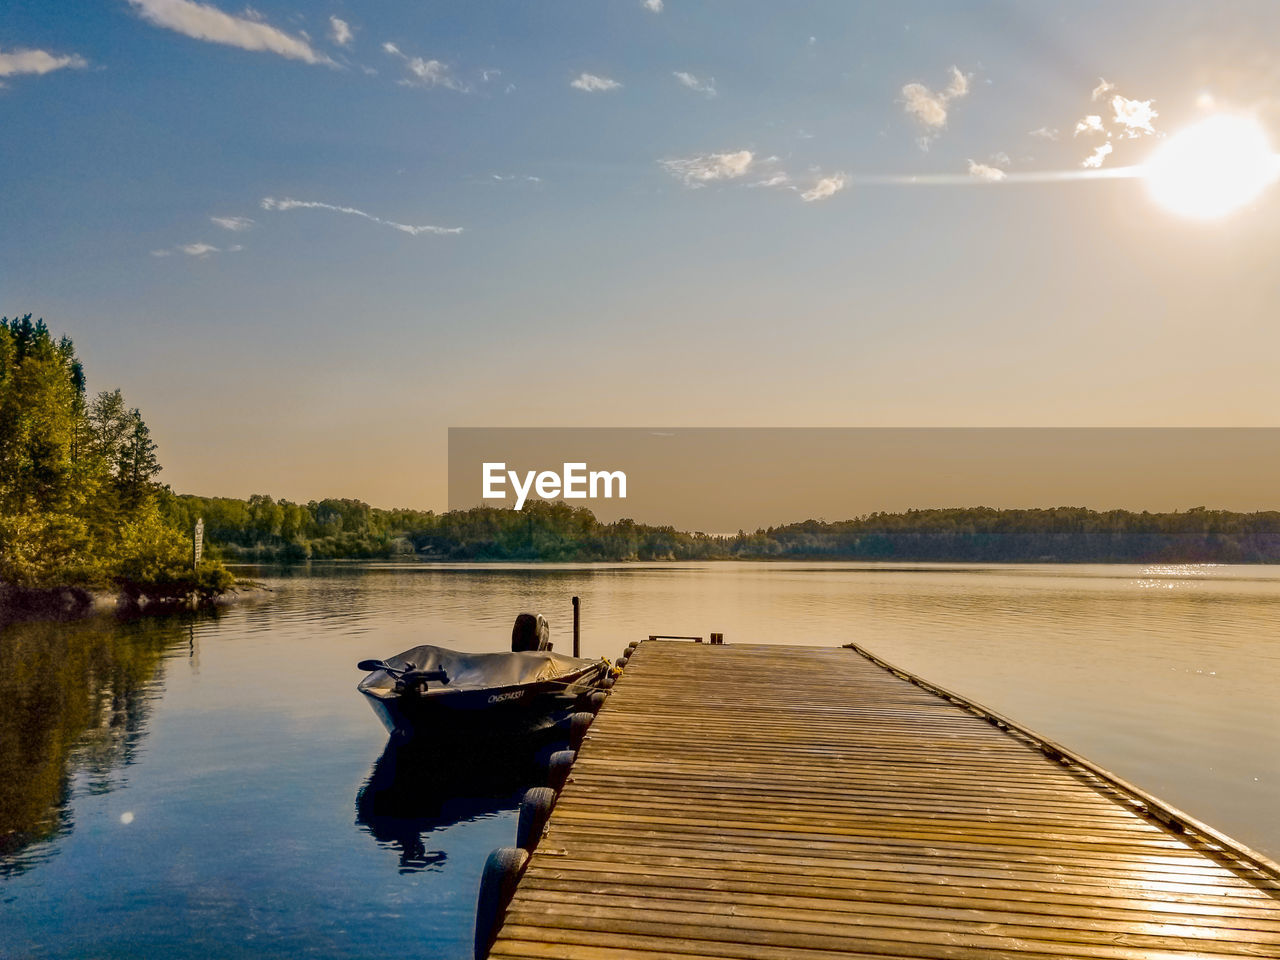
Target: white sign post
197,543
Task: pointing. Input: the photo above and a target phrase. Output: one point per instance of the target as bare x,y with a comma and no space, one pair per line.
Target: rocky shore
72,603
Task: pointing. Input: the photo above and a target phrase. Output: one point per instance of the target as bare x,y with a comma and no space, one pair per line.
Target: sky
307,239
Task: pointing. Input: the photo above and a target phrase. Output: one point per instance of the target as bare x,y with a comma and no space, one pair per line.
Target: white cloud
958,86
1099,155
984,171
1090,124
431,73
199,250
654,6
1134,115
779,179
425,73
923,104
825,187
929,107
340,31
705,86
38,62
1044,133
590,83
696,171
288,203
235,224
1130,119
205,22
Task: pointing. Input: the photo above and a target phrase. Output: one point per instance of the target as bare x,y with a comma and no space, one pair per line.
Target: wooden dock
784,803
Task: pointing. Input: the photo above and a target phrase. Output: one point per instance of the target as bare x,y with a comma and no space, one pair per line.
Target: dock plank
771,802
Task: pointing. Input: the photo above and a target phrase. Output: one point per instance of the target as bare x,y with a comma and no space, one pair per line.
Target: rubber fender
497,886
558,768
535,808
579,723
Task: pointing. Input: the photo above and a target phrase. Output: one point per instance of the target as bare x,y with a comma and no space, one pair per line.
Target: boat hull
494,713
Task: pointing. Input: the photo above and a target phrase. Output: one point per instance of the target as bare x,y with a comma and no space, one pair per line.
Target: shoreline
66,603
798,559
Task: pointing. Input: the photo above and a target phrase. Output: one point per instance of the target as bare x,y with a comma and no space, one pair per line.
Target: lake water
191,787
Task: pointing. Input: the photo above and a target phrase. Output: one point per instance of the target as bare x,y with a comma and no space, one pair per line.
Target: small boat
448,695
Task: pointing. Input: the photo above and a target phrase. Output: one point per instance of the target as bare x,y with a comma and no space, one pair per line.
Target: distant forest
266,530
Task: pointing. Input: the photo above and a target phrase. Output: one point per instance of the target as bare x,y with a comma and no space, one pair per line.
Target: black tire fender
558,768
497,886
535,809
579,724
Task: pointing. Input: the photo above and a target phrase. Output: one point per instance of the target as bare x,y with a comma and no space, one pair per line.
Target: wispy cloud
38,62
235,224
1101,90
706,86
288,203
779,179
590,83
205,22
985,171
929,107
199,250
425,73
1044,133
825,187
706,168
653,6
510,177
340,31
1098,156
766,173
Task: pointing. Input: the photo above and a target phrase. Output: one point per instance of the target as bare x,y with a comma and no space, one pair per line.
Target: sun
1212,168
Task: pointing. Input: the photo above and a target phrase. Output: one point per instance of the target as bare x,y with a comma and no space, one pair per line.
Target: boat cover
478,671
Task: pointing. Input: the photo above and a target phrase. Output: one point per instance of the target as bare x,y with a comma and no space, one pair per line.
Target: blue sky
720,229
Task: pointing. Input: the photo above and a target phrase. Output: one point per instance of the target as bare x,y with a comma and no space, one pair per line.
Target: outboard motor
530,633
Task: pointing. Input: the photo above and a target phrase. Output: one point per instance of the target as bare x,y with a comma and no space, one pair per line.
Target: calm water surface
201,787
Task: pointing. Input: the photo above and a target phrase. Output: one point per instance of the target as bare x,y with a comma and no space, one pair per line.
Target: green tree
137,463
78,499
40,381
109,426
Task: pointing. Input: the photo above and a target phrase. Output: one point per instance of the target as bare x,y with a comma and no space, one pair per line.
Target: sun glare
1212,168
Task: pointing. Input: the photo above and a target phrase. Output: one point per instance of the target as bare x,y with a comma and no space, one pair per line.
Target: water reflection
74,702
418,788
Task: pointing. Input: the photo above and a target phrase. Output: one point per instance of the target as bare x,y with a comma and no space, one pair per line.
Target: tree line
79,502
80,505
266,530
